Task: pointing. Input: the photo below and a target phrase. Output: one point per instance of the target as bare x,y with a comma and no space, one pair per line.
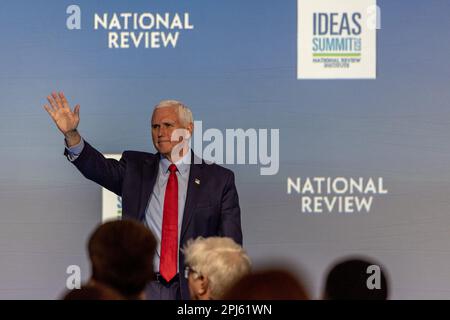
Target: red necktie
169,236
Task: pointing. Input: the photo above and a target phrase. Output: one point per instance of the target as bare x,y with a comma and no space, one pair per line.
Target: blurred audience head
121,253
93,292
356,279
269,284
213,265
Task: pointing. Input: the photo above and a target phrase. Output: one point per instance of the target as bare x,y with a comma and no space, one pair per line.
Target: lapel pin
197,181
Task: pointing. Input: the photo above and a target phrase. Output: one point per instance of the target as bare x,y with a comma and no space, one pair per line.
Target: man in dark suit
176,194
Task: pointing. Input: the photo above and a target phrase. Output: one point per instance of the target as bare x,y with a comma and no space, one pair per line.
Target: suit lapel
194,189
149,175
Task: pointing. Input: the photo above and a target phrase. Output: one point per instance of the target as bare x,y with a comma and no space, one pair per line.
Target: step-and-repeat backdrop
333,115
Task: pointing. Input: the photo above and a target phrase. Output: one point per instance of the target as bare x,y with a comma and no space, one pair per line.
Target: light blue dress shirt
154,210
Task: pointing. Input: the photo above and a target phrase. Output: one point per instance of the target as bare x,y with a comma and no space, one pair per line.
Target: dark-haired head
121,253
356,279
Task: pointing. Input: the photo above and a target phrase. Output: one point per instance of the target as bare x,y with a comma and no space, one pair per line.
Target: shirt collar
182,164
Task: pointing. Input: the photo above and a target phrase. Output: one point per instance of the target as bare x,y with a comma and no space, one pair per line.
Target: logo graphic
336,194
337,39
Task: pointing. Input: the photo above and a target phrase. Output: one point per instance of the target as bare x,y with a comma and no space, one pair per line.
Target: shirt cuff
74,151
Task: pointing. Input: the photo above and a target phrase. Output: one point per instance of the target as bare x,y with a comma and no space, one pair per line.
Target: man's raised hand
65,119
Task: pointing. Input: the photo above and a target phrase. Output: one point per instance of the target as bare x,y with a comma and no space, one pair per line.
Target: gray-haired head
184,113
220,259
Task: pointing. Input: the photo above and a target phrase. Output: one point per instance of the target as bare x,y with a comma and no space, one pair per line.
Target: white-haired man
176,194
213,265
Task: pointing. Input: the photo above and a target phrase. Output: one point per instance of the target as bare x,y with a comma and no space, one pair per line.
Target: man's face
164,122
194,286
198,286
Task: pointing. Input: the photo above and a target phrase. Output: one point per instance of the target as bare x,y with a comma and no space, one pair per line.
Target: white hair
220,259
184,113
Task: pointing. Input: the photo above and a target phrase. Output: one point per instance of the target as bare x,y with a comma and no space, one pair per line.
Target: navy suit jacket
211,209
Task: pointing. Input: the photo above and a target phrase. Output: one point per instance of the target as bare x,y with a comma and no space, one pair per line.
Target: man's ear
190,128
